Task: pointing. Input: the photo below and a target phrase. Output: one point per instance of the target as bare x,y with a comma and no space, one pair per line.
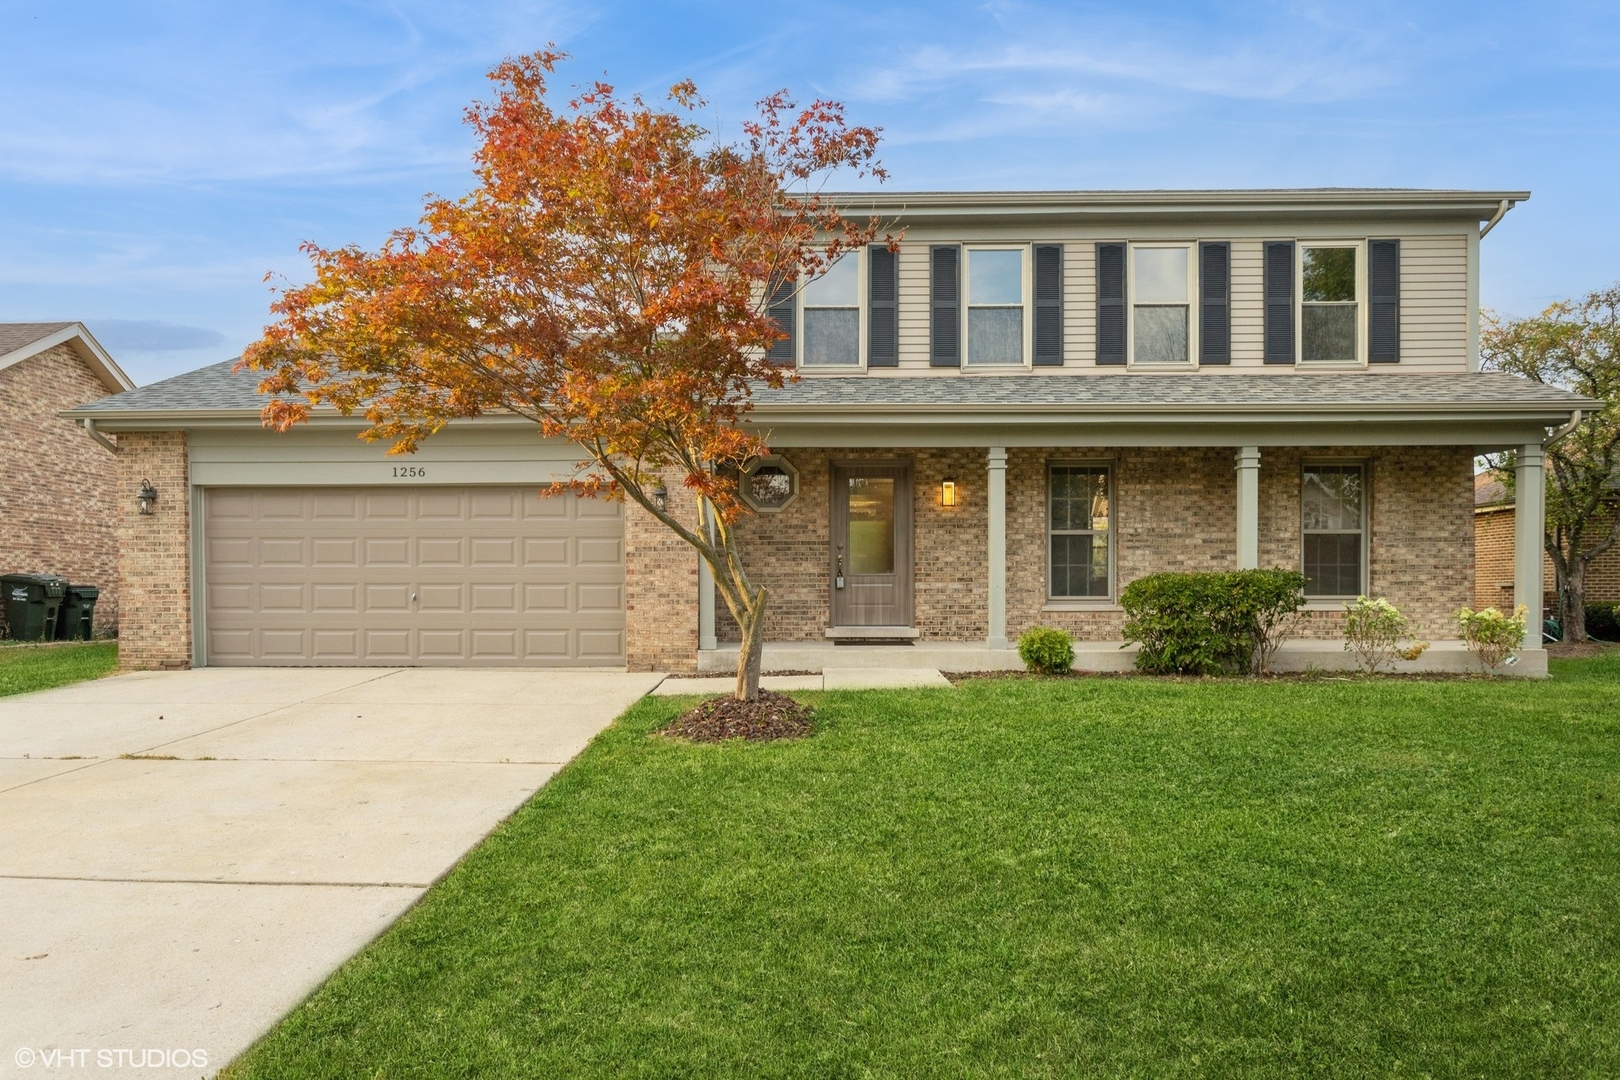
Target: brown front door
871,544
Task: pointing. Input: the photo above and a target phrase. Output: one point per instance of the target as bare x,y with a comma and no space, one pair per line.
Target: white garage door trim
430,576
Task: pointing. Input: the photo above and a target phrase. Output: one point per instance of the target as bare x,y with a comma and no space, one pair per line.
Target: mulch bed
1571,651
958,677
773,716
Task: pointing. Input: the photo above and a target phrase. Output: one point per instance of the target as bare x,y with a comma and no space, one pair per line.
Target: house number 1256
409,472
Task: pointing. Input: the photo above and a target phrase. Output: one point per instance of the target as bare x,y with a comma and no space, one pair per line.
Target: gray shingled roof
14,335
218,388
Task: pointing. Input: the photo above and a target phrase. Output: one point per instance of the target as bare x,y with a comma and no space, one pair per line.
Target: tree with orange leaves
609,278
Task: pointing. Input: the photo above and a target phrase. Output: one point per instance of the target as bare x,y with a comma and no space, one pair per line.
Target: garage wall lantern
146,496
947,493
660,497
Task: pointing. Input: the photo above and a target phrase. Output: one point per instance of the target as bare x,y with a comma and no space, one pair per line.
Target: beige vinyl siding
1434,303
1079,304
913,305
1248,308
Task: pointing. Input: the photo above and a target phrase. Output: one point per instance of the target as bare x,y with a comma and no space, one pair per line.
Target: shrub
1491,635
1210,623
1373,630
1046,651
1603,621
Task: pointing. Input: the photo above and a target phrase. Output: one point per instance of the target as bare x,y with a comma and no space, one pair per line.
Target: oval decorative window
769,483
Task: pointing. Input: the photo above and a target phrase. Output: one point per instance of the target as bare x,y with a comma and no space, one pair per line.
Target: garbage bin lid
87,592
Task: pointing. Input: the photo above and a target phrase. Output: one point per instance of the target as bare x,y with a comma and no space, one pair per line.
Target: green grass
24,668
1093,877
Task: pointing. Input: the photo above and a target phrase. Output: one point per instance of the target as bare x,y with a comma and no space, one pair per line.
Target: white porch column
997,491
1248,508
706,635
1528,525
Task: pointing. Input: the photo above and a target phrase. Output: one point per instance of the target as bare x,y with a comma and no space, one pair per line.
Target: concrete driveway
185,855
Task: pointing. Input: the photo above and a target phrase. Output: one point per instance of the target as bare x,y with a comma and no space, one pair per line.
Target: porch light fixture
947,492
146,496
660,497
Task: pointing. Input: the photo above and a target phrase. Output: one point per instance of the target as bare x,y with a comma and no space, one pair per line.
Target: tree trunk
750,653
1572,600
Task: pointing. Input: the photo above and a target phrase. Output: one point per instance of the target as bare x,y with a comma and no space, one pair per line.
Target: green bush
1046,651
1211,623
1603,621
1491,635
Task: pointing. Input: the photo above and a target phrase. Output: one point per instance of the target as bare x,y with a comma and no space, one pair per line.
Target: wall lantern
947,493
660,497
146,496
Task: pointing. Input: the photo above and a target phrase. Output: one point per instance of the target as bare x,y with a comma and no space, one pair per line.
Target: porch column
1528,524
706,635
1248,508
997,491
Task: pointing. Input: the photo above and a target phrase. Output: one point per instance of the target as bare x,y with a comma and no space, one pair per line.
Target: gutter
89,426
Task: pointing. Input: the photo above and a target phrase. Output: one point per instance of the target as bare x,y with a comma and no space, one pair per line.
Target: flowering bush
1491,635
1373,630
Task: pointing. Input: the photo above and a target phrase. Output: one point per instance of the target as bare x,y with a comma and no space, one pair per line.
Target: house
1039,398
1494,528
56,486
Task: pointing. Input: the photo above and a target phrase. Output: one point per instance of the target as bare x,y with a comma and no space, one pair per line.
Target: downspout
89,426
1574,422
1501,212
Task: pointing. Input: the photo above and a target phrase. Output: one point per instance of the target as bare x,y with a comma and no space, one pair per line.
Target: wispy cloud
152,335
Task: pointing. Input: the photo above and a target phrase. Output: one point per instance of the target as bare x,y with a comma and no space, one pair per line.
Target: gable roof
21,340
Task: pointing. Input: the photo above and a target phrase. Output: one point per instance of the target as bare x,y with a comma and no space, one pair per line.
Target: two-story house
1039,398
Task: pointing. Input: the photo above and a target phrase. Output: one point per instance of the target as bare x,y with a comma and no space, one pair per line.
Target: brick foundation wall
154,553
60,486
1493,552
660,577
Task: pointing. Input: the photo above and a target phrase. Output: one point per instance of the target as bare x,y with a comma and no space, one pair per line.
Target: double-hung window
996,290
1333,505
831,309
1160,291
1330,308
1079,532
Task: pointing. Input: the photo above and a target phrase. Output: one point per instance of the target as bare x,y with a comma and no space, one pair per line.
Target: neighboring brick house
57,487
1039,398
1494,524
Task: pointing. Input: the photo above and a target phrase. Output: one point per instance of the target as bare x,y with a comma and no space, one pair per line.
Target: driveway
185,855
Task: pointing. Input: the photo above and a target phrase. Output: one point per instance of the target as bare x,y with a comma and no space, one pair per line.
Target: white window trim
859,254
1191,247
1080,603
1360,361
1028,287
1336,601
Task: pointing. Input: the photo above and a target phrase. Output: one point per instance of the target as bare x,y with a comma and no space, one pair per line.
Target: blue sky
157,159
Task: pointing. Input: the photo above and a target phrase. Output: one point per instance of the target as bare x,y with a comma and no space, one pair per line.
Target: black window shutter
1384,301
782,311
1110,303
882,314
945,299
1048,305
1279,300
1215,303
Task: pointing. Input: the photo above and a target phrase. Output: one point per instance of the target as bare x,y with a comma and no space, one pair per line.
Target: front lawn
24,668
1092,877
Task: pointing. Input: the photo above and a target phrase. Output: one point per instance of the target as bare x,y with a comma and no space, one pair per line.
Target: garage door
432,576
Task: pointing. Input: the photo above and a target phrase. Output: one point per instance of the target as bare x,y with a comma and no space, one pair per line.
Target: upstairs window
831,307
1334,529
995,306
1160,292
1330,314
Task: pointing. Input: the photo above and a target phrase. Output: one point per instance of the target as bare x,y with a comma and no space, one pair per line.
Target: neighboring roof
19,341
217,393
1407,203
1489,491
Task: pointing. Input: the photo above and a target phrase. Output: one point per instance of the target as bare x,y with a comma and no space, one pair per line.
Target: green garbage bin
77,613
31,602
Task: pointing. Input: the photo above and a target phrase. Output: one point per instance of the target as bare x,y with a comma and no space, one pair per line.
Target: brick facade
1175,509
660,578
58,499
154,553
1493,568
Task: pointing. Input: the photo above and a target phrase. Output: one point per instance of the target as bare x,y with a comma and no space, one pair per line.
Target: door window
871,525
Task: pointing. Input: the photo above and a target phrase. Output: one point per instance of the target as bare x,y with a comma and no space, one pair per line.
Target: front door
871,544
